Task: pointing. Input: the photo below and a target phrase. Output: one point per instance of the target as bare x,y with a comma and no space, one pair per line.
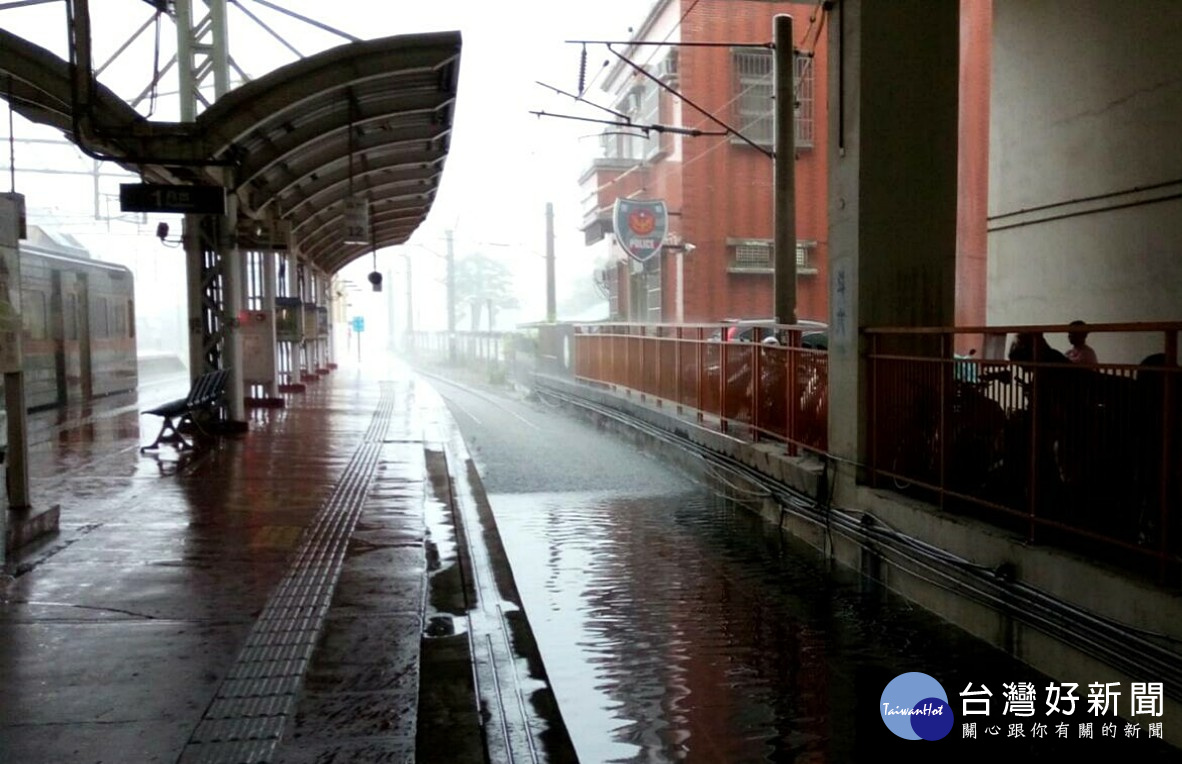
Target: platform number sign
356,221
358,324
161,197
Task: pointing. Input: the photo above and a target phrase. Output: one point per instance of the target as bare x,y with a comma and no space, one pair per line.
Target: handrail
1148,326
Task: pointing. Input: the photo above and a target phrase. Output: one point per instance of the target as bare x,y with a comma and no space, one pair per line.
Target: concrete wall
1085,172
893,150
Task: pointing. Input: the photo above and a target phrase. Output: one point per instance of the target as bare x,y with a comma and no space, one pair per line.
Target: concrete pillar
234,287
195,291
268,304
14,467
893,102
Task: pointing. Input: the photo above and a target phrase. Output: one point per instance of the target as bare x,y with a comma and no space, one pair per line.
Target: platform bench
204,396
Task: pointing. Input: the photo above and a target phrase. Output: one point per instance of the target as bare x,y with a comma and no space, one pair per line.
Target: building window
650,114
803,66
667,69
805,256
754,104
754,254
642,105
652,288
760,255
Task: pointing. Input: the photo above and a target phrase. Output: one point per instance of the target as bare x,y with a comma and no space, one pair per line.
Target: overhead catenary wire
730,130
282,41
805,49
672,30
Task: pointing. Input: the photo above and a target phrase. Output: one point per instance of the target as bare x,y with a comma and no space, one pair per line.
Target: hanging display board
257,329
288,317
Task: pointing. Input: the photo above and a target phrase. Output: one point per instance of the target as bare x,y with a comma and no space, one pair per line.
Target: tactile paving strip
246,719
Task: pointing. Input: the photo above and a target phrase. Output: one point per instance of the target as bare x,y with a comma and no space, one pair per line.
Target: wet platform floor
261,599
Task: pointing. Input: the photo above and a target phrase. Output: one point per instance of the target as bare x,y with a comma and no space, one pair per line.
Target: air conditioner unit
667,67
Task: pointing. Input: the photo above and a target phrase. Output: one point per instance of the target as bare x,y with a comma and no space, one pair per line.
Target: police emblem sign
640,226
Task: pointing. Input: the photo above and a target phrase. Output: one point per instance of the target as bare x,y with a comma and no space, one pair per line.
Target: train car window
35,316
118,321
131,318
100,319
70,316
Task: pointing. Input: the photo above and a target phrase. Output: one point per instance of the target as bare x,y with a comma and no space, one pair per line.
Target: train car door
84,341
57,333
66,289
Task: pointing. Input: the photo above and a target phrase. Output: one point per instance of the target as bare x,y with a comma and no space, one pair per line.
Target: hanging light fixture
375,278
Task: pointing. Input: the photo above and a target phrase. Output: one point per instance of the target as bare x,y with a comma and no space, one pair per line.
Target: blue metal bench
204,396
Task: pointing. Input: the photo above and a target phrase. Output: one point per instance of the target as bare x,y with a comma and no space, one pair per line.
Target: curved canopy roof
370,119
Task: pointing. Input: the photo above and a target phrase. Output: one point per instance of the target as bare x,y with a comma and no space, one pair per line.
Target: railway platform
304,592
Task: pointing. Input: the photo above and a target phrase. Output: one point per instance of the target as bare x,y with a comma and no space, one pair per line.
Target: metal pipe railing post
1032,479
942,430
677,364
1169,423
701,373
871,407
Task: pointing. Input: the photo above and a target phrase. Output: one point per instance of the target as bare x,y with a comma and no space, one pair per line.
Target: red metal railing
749,388
1087,455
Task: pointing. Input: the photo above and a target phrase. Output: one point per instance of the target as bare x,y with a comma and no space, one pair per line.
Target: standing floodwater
676,625
684,628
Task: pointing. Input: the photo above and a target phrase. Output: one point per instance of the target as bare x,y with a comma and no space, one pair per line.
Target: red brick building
717,262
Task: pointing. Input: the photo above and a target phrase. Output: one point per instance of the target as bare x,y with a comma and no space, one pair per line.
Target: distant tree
483,282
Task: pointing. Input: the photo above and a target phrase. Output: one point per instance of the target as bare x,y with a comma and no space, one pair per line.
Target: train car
79,326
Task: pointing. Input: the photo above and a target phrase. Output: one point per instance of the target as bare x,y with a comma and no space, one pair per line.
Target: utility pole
784,180
410,313
451,299
551,300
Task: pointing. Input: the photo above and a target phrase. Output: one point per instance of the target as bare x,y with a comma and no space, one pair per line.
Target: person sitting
1032,347
1080,351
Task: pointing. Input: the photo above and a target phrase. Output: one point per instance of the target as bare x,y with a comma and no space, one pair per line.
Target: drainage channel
246,719
517,715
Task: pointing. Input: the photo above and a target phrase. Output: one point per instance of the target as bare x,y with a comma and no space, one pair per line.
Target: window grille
761,253
754,254
754,90
803,78
802,255
753,84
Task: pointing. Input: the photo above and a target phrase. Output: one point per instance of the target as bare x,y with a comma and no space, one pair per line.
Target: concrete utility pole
551,300
410,309
784,180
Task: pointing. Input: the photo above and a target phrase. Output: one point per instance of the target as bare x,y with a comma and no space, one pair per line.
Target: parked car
813,334
731,394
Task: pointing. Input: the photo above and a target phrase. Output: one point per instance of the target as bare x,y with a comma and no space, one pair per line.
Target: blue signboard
359,323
